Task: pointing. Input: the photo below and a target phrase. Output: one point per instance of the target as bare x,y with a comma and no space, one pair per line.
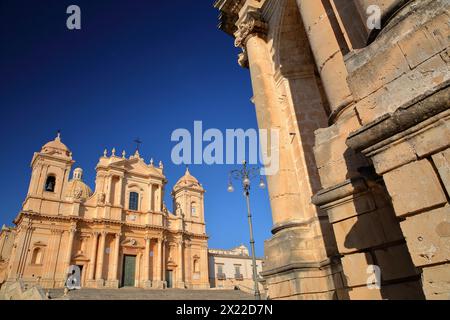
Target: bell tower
49,177
188,196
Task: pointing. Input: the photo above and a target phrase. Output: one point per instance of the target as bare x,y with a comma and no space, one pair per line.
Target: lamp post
245,175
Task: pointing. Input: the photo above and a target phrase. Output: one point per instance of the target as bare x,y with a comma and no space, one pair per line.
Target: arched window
193,209
134,201
50,184
37,256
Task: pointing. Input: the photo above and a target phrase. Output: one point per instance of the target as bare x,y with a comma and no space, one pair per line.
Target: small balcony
239,277
221,276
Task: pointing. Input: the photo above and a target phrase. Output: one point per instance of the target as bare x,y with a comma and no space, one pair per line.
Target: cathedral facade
120,234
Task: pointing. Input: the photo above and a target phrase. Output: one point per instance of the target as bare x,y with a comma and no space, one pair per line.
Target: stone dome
76,188
187,180
56,146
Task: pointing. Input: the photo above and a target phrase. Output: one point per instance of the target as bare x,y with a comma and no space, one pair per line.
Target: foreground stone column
158,261
282,188
296,260
327,53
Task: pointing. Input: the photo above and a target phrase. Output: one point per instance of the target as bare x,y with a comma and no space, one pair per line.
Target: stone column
297,236
25,249
54,261
163,262
180,274
147,282
327,53
93,261
101,249
47,260
188,267
283,191
204,266
114,282
68,258
158,262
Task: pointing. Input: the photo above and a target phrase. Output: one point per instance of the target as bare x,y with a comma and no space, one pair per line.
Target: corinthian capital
250,24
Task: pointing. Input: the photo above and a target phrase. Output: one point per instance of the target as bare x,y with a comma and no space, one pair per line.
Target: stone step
150,294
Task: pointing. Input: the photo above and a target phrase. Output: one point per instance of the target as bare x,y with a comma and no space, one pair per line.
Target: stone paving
142,294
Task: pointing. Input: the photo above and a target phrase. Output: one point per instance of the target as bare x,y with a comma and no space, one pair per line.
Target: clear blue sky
138,68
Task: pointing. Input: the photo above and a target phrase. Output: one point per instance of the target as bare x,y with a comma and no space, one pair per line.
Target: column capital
95,233
118,235
72,229
57,231
249,25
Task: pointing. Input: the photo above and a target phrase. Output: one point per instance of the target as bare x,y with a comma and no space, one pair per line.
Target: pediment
130,242
136,166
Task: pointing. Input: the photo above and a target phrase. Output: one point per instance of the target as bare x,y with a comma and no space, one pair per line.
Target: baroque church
121,234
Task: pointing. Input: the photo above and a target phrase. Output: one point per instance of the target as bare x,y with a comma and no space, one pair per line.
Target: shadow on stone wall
376,235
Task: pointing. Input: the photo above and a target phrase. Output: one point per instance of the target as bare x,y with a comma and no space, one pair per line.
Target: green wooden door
129,269
169,278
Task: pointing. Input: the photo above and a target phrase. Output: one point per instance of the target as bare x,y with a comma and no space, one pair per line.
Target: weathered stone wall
380,166
405,133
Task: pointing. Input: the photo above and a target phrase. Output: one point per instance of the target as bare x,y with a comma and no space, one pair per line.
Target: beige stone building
119,235
230,269
363,113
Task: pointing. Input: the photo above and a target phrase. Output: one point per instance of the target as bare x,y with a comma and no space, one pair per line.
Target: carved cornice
72,229
251,24
404,118
229,13
339,191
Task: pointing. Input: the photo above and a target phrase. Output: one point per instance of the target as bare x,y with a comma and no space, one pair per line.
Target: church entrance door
129,269
169,277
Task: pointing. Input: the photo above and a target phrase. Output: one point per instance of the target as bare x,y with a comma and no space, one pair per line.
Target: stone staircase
151,294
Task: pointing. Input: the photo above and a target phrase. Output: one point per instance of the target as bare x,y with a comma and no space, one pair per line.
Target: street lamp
245,175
